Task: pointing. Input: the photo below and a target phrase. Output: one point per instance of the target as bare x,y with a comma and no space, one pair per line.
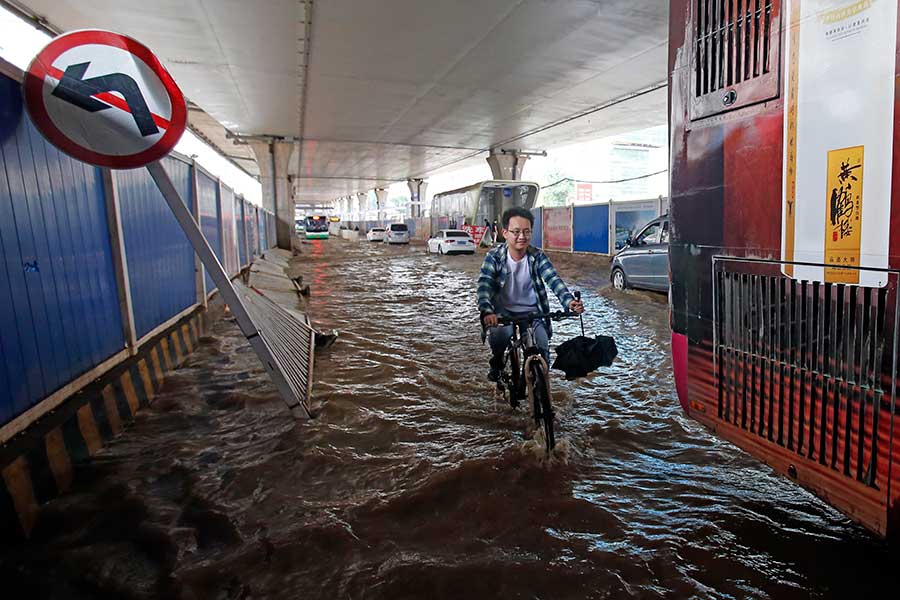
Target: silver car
644,261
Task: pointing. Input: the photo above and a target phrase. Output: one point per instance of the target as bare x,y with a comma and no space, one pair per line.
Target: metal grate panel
289,338
731,42
807,365
736,53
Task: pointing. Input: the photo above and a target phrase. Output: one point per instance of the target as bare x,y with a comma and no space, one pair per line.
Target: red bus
785,238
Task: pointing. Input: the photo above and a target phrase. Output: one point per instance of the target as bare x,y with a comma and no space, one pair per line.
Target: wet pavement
414,483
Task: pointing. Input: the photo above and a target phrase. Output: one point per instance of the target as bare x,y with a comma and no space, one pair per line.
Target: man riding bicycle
513,282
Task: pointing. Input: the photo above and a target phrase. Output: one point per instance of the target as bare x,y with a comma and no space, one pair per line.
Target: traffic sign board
105,99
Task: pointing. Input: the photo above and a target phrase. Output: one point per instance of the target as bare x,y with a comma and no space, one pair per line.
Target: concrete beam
507,164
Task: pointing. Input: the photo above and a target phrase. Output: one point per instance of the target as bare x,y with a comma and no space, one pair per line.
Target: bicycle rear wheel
543,409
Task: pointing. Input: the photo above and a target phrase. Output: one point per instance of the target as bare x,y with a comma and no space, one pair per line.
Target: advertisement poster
476,231
629,219
838,138
557,234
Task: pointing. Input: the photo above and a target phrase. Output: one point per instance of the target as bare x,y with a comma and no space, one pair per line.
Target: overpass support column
507,164
381,195
362,202
273,158
417,189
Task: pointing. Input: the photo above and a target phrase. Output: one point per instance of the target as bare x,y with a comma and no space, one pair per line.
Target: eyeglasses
525,233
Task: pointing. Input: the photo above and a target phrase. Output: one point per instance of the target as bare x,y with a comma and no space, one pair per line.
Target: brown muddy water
414,483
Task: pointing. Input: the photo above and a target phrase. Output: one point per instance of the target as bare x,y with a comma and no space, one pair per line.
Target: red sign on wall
584,193
476,231
557,224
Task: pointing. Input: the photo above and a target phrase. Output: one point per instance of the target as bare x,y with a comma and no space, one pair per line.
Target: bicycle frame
523,343
527,368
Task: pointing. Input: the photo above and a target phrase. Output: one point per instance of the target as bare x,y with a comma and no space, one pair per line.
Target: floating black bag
581,355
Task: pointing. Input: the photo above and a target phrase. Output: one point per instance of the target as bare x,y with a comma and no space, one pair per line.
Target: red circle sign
104,99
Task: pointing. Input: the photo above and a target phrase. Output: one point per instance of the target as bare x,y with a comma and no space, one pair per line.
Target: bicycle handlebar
555,316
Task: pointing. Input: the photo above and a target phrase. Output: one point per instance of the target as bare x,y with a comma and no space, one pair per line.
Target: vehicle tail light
450,242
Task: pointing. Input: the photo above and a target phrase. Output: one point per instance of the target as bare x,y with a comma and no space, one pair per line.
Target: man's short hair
516,211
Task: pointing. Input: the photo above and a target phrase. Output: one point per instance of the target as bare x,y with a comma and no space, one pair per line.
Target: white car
376,234
396,233
452,241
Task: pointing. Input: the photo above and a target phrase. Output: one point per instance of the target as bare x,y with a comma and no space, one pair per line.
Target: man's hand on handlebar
576,306
489,320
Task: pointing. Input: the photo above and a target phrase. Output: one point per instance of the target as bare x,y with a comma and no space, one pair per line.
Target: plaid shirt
494,273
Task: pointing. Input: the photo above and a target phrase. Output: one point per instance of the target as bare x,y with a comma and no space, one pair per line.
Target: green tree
557,194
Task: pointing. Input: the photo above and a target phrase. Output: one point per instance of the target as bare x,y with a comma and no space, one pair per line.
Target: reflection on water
414,482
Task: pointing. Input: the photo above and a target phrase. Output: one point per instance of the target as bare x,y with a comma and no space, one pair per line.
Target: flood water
414,483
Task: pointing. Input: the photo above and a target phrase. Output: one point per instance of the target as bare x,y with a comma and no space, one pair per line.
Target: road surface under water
414,483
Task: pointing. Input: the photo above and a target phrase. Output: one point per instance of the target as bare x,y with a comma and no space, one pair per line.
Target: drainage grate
807,365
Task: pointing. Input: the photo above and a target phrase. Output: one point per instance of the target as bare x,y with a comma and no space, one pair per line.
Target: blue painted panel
159,256
263,239
252,231
241,230
229,241
58,298
591,229
272,234
210,217
536,228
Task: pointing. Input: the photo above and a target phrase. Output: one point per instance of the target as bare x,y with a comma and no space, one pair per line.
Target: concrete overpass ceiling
239,62
398,88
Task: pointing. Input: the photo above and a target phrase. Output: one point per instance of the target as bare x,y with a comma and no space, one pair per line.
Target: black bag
581,355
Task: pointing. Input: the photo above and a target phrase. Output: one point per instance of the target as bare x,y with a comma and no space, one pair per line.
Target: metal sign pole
215,270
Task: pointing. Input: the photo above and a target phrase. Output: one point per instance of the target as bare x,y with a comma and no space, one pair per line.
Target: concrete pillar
273,158
362,200
417,189
381,195
506,164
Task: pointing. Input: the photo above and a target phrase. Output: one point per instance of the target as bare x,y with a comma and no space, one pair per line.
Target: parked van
644,261
397,233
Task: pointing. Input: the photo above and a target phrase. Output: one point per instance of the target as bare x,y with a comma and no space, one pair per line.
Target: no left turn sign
105,99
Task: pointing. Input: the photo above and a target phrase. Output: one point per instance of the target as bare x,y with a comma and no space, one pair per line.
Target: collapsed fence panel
290,340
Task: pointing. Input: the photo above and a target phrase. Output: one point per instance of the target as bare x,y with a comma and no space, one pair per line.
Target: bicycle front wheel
543,409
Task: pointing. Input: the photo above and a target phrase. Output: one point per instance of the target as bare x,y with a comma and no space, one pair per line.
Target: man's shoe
494,375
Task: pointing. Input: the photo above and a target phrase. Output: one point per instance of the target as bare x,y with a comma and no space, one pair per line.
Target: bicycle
525,373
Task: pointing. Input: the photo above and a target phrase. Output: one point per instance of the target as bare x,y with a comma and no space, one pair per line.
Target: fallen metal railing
291,341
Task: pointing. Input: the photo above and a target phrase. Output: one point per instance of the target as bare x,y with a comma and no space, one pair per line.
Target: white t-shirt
517,294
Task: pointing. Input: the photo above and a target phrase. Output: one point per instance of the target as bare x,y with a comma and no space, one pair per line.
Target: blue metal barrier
210,217
159,256
536,228
229,230
591,229
263,238
239,213
58,297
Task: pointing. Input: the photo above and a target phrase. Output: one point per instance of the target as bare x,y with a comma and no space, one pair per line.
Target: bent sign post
105,99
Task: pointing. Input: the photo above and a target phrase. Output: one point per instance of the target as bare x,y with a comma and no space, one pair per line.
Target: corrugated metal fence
93,262
593,228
